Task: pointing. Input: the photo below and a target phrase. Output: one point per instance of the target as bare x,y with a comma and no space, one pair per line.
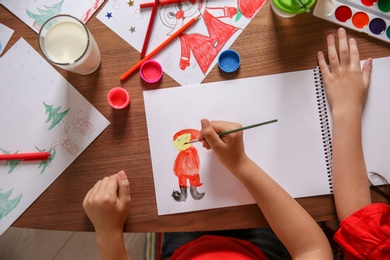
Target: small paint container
290,8
118,98
151,71
229,61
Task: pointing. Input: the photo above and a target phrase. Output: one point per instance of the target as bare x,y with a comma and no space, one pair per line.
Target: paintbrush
237,130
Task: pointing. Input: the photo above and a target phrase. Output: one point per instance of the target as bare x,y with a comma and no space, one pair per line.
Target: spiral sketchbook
296,151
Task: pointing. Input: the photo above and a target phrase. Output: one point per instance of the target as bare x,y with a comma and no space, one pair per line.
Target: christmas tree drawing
7,205
12,163
54,115
44,14
44,164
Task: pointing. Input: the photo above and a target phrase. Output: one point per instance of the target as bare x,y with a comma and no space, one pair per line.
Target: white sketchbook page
35,13
26,81
376,125
130,23
290,150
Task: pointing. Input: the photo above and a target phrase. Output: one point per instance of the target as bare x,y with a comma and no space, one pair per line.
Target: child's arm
300,234
107,206
346,86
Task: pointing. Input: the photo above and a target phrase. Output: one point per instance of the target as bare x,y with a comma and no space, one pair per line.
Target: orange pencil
161,46
149,30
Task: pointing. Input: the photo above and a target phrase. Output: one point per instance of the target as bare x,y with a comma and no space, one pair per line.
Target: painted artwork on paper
36,13
7,204
187,166
190,58
39,112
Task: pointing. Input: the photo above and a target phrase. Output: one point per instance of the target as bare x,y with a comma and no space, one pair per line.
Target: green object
294,6
384,5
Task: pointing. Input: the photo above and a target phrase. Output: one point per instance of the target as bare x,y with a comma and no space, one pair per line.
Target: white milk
66,44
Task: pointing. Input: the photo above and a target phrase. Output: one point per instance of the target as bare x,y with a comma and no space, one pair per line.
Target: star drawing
130,3
132,29
109,15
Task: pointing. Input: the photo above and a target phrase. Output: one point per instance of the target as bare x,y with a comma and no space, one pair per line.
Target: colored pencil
237,130
161,46
149,30
161,2
38,156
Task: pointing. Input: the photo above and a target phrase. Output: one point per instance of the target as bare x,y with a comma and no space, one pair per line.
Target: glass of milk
67,43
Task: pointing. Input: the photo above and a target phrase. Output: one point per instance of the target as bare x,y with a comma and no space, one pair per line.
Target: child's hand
107,204
346,84
229,148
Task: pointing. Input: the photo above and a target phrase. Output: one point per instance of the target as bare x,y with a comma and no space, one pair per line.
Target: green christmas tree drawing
54,115
7,205
45,163
12,163
45,14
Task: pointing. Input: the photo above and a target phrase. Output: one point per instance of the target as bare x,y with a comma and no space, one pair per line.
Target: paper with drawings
189,58
39,111
35,13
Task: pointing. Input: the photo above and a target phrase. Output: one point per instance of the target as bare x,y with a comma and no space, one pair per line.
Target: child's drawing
45,163
79,124
192,56
35,13
34,98
69,144
205,48
12,163
6,204
40,16
54,115
187,165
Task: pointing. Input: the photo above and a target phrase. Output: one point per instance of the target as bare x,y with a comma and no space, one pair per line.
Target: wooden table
268,45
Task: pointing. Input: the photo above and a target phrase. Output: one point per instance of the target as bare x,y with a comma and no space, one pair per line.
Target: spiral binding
324,122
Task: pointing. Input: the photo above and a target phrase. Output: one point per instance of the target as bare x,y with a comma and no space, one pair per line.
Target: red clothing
366,233
218,247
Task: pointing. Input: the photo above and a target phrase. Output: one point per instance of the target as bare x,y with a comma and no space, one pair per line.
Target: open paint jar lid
151,71
229,61
118,98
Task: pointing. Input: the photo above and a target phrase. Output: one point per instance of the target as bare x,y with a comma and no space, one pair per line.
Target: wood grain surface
268,45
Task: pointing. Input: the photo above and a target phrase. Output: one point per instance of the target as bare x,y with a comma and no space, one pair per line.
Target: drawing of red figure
205,48
187,165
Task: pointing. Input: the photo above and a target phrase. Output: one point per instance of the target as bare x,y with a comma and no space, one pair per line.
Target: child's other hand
229,148
346,84
107,204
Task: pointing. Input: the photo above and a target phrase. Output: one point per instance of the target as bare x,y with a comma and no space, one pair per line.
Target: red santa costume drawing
187,165
205,48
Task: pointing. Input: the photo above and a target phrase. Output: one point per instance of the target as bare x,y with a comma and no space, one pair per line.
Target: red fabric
218,247
366,233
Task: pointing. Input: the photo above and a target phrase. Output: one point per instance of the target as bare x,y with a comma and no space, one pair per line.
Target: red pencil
149,30
162,2
161,46
38,156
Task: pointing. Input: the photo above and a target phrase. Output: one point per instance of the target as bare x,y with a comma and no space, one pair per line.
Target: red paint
343,13
369,2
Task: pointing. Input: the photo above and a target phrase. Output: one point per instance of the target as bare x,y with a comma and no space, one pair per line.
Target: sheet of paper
189,58
290,150
5,35
35,13
39,111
